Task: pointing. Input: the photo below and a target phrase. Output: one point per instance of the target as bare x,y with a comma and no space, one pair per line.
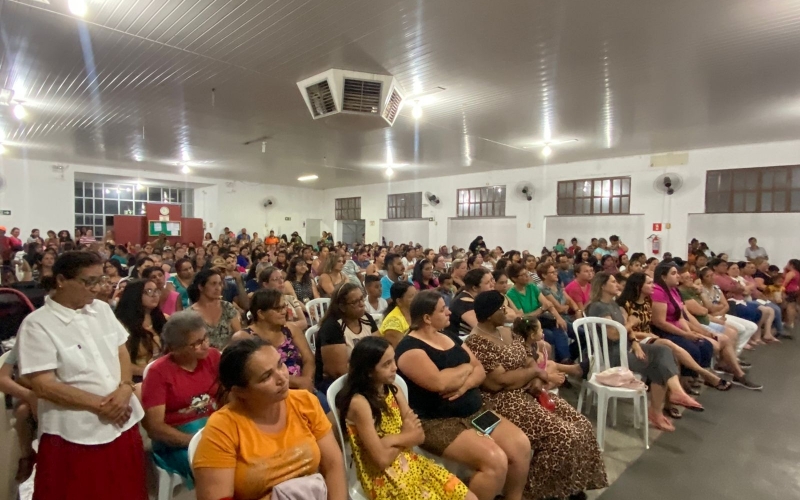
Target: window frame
595,197
770,184
353,207
405,206
484,205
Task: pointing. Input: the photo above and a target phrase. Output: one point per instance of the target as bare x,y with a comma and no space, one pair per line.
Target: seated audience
754,251
375,304
748,271
169,299
398,313
502,284
345,323
654,362
89,443
791,287
447,288
743,294
298,281
271,278
443,377
331,274
394,268
734,293
268,313
457,271
180,281
179,392
139,313
566,459
580,290
462,319
717,304
220,316
25,412
422,278
266,434
383,430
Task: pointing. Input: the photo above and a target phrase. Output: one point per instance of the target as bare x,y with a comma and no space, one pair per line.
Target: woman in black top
443,378
462,319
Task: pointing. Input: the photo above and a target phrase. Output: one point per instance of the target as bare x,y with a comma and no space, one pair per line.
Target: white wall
653,206
37,196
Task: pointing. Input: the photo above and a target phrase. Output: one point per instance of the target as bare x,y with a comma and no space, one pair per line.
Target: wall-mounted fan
668,183
268,202
432,198
525,190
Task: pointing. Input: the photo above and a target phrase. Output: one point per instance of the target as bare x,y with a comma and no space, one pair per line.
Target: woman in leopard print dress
566,460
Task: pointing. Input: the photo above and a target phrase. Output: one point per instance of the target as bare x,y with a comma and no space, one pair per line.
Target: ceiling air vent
354,97
393,105
320,99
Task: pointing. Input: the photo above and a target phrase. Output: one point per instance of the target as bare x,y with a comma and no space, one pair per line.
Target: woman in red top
179,392
791,288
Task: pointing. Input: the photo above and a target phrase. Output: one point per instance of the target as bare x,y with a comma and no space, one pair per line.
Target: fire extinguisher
655,244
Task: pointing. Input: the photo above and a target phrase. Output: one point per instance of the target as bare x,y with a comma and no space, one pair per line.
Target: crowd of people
183,337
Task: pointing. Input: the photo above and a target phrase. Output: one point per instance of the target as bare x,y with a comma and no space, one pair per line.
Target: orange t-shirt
261,460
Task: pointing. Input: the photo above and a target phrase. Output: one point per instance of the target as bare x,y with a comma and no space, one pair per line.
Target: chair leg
646,421
614,412
636,410
602,409
164,484
581,395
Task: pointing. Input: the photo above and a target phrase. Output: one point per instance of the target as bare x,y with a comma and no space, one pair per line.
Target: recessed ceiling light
6,95
389,172
77,7
547,150
185,169
307,178
185,156
417,111
19,112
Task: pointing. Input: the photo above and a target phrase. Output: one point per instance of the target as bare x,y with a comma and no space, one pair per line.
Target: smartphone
486,422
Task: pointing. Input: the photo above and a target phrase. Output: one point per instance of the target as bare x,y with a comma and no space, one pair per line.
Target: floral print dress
410,475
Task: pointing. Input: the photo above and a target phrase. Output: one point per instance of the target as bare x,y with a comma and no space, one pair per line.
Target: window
487,201
348,208
603,196
754,190
405,206
97,202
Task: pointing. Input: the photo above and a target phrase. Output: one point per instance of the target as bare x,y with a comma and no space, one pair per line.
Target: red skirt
70,471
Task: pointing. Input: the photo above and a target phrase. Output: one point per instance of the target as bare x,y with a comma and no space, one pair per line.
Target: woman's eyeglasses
198,344
356,302
152,292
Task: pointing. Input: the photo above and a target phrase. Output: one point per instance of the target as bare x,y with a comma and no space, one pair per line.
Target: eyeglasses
150,292
199,343
356,302
91,282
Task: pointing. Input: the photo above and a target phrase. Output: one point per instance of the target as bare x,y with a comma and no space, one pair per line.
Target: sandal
688,403
673,412
660,422
772,341
723,385
693,391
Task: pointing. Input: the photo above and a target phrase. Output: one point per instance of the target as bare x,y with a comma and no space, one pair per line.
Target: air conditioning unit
339,91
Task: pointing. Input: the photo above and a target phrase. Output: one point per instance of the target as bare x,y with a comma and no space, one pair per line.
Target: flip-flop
673,413
688,405
772,341
748,347
723,385
662,424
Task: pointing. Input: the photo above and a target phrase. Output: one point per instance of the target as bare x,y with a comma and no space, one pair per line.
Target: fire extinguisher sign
656,226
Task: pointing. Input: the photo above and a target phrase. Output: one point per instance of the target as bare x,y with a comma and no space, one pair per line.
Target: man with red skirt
73,350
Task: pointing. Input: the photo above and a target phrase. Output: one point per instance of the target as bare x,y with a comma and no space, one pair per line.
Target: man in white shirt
73,351
754,251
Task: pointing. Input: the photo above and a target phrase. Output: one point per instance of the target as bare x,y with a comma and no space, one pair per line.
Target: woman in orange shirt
267,434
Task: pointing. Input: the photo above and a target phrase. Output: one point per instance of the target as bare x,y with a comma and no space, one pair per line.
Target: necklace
494,334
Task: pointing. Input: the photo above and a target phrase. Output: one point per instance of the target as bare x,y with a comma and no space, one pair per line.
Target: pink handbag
620,377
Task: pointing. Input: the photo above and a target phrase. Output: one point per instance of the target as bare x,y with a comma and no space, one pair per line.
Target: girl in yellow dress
383,429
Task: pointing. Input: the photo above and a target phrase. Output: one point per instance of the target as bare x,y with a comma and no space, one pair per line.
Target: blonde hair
327,267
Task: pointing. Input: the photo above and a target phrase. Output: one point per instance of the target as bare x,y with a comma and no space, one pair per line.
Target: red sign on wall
656,226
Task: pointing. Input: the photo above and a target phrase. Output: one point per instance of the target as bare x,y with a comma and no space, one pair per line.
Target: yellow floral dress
410,475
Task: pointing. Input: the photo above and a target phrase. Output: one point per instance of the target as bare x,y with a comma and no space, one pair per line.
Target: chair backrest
378,319
596,330
333,391
14,308
147,369
316,310
401,384
311,337
193,445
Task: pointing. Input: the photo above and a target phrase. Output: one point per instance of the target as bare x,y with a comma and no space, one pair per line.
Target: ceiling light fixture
185,169
19,112
139,187
389,172
185,156
547,150
306,178
77,7
417,111
6,95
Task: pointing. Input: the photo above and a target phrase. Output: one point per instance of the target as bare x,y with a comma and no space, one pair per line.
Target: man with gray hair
179,392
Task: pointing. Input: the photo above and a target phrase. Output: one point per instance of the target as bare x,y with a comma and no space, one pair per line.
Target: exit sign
6,212
656,226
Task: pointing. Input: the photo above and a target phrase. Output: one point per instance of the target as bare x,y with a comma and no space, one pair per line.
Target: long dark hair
396,293
473,278
365,357
233,364
69,265
263,299
424,303
658,278
336,307
200,279
633,288
130,312
417,275
525,327
291,273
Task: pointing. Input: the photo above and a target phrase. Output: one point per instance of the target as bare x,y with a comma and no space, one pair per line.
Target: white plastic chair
193,445
355,492
378,318
316,310
10,451
599,360
311,337
167,481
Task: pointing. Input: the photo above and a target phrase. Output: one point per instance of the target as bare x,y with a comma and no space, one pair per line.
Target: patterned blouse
303,291
220,334
290,355
642,312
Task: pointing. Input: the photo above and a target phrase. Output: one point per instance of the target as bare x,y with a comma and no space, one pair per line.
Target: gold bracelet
129,383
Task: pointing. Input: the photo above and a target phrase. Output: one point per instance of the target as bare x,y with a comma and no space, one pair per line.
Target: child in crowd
375,303
446,288
531,332
383,429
